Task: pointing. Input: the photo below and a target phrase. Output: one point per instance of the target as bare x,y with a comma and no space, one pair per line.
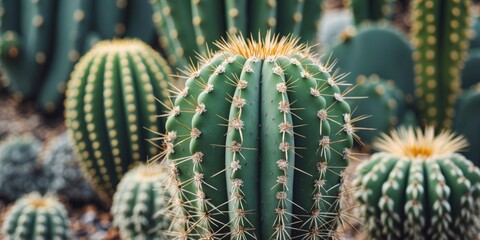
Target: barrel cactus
418,187
112,103
440,29
258,140
140,204
186,26
36,217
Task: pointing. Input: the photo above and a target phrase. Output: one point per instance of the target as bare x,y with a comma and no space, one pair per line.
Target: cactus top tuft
271,46
416,144
37,201
120,45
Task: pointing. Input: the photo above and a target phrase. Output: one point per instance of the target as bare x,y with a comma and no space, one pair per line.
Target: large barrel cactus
258,140
112,107
36,217
187,26
419,188
140,204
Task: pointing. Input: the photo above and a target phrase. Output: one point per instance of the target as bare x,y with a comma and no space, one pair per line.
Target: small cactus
112,106
418,187
258,140
36,217
20,172
140,204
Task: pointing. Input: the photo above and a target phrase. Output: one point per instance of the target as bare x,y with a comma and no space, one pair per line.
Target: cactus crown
271,45
119,46
417,145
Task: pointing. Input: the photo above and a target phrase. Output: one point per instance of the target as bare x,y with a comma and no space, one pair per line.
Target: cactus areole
419,188
258,139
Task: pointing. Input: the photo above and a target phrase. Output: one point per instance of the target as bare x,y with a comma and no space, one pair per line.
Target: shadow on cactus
140,205
418,187
37,217
112,108
259,139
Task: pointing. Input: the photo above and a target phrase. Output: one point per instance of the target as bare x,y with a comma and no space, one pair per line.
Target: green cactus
259,140
471,70
440,30
140,204
36,217
47,37
376,49
187,26
389,104
467,121
371,10
111,108
418,187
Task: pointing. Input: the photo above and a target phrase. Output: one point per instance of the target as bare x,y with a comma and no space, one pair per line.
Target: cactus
140,204
440,31
467,121
68,177
187,26
20,173
371,10
384,103
471,71
47,37
380,50
418,187
259,140
36,217
111,108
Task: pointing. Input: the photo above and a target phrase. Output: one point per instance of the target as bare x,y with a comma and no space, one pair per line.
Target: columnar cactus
36,217
258,140
140,204
371,10
112,108
47,37
187,26
20,172
419,188
440,31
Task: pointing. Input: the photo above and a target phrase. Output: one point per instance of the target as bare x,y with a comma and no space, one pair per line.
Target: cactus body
47,37
467,121
68,177
140,205
36,217
258,140
471,70
419,188
440,32
371,10
20,173
188,26
111,108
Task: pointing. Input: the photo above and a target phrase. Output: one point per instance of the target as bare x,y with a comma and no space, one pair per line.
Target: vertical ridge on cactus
258,140
419,187
111,108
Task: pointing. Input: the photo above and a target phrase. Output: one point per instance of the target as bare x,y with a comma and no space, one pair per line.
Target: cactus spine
111,108
419,188
36,217
187,26
440,30
140,204
258,140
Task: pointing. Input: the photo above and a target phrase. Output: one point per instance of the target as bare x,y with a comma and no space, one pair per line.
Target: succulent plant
47,37
467,121
418,187
471,70
258,140
20,172
140,204
112,108
186,26
371,10
440,30
69,179
35,217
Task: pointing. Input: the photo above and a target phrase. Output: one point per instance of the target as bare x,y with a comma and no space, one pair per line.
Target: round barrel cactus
35,217
140,203
111,108
419,188
258,140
